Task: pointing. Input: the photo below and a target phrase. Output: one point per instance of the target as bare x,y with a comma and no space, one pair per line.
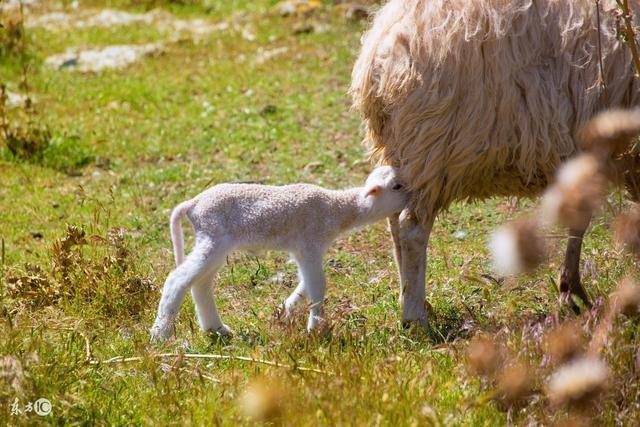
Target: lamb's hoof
223,331
283,312
161,332
318,326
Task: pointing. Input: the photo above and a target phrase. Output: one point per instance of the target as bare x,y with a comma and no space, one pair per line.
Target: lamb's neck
355,211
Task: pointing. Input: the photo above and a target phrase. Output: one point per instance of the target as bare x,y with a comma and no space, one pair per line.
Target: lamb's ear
373,191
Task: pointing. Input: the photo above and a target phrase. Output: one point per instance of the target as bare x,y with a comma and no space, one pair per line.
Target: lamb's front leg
313,284
413,238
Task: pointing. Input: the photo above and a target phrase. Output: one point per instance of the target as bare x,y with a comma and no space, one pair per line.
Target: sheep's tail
175,226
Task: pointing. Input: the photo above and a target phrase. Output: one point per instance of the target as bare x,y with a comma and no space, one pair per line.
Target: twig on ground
123,359
196,372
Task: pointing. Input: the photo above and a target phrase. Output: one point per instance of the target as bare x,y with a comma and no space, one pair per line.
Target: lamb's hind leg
196,267
413,237
204,299
313,285
570,274
296,296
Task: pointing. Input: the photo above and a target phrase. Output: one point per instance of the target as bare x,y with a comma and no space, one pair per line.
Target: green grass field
127,145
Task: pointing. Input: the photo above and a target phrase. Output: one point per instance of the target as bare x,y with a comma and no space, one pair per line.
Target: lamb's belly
259,243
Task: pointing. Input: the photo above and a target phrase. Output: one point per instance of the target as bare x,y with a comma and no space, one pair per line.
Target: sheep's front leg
394,229
314,286
570,273
413,238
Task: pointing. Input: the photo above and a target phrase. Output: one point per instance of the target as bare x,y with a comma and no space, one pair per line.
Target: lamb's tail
176,230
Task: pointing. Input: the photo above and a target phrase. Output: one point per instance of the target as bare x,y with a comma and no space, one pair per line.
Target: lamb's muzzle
302,219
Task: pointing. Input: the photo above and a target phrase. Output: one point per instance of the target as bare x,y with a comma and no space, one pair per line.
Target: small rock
207,108
36,235
248,34
286,8
460,235
72,62
278,277
298,7
265,55
303,28
16,100
313,166
103,163
335,264
356,12
109,57
268,109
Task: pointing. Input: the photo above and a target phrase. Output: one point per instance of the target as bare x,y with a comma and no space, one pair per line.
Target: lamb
470,99
302,219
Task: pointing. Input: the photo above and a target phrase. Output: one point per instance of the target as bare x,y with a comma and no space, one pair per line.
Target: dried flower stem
2,255
602,82
24,65
630,33
601,333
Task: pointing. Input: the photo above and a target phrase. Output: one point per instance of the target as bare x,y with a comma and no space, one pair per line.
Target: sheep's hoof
570,287
161,332
421,323
419,317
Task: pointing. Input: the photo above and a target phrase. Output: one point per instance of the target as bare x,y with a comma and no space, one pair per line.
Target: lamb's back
251,209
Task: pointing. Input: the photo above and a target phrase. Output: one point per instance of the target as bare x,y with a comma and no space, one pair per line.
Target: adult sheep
476,98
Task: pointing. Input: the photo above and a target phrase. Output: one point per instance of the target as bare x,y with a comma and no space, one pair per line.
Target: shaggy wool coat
475,98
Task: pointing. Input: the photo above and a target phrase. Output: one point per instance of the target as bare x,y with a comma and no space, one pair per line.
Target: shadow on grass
63,153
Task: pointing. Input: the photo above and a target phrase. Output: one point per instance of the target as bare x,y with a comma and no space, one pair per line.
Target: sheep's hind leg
196,267
413,238
570,274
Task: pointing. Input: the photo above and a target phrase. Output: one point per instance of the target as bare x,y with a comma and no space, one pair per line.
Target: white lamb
302,219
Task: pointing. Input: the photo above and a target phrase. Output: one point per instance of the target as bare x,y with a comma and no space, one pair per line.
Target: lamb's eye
397,187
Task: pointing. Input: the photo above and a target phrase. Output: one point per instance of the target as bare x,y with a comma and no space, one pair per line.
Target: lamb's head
384,193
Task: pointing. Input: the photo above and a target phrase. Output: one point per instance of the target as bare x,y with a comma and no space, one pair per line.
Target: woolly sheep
302,219
475,98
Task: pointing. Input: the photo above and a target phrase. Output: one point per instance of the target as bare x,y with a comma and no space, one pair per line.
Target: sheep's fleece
475,98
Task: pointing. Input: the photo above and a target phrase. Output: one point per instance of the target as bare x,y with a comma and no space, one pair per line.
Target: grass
128,145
